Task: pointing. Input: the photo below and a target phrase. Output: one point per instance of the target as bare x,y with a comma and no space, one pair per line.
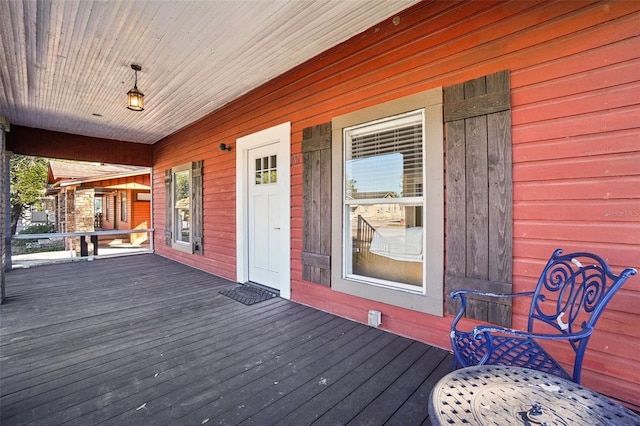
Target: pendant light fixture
135,97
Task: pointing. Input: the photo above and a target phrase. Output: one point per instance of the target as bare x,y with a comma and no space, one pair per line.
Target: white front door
263,208
264,216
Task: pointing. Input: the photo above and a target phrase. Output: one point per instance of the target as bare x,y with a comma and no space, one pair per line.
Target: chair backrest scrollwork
572,292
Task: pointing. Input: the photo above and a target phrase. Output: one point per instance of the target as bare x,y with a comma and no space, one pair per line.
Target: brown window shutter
316,163
196,207
479,234
168,221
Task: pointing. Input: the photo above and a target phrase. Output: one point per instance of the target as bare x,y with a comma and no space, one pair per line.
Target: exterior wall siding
576,120
140,218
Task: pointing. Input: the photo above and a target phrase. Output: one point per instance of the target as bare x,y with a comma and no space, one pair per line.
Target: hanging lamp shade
135,98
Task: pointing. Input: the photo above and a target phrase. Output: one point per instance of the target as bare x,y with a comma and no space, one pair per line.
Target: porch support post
5,223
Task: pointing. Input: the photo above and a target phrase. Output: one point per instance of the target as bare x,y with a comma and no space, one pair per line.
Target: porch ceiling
64,62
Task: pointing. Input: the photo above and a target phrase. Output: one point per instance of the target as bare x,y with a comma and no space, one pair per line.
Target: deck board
145,340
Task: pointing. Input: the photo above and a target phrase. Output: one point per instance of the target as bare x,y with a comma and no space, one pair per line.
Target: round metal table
501,395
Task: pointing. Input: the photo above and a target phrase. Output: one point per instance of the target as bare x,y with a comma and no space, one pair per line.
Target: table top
495,395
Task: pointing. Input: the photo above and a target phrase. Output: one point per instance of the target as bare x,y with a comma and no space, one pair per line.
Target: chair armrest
487,330
462,293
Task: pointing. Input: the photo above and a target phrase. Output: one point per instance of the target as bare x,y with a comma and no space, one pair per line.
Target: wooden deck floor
145,340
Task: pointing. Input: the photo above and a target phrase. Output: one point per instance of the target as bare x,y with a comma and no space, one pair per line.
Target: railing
364,235
71,248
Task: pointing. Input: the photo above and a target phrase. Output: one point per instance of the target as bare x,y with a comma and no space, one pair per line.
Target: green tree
28,182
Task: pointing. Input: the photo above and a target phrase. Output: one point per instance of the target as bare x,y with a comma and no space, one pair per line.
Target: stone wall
83,210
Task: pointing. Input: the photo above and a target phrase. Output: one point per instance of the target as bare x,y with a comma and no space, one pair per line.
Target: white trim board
280,134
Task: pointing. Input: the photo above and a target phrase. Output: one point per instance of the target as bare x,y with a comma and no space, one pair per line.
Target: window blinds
385,157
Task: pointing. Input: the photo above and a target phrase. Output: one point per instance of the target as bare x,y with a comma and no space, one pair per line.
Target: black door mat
248,294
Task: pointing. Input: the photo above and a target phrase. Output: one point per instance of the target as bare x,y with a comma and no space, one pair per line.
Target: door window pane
266,170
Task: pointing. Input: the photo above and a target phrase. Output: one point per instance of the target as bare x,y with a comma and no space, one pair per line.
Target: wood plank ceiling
65,65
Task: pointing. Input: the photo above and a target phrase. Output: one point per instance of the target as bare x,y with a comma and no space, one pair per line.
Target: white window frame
429,299
184,246
397,121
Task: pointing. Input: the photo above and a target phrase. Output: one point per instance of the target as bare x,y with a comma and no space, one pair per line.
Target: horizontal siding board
529,268
581,103
618,210
618,256
623,164
585,124
621,232
577,147
602,188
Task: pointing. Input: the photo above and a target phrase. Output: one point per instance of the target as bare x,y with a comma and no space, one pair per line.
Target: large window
384,200
388,205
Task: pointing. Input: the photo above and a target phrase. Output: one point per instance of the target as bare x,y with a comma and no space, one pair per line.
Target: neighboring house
517,128
100,197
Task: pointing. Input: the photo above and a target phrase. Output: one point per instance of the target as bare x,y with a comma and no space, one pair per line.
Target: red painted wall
575,70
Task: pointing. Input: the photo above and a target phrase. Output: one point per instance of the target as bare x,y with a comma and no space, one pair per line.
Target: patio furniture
518,396
571,293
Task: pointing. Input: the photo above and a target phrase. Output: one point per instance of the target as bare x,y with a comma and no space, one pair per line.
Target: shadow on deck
145,340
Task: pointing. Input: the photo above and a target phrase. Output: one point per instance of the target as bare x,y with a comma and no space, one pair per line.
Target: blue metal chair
571,293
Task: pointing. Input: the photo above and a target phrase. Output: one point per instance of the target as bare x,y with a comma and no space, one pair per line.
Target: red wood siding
140,213
576,121
140,218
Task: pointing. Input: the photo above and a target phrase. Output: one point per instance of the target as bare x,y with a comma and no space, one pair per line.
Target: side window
183,218
181,206
123,206
388,203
